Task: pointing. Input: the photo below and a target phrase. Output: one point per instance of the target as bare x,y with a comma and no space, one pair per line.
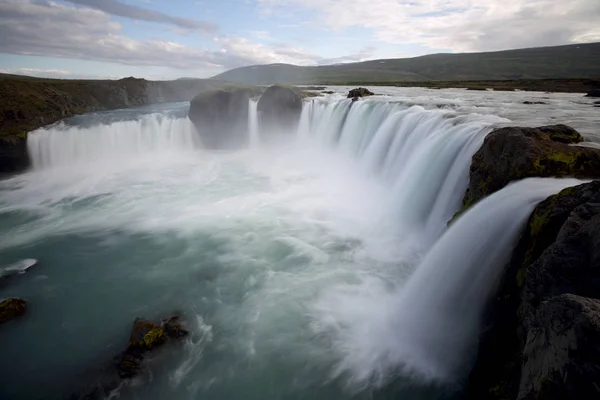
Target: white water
428,326
311,270
66,145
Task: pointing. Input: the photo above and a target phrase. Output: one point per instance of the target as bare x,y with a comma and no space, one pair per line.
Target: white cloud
39,28
460,25
115,7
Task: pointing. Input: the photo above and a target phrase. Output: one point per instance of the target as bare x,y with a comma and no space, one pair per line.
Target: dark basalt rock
147,336
11,309
145,339
510,154
354,94
542,339
593,93
279,110
221,116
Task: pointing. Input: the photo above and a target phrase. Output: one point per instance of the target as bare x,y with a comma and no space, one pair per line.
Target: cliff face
542,330
30,103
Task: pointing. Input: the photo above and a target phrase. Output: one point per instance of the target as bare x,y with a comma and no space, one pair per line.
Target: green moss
521,277
154,338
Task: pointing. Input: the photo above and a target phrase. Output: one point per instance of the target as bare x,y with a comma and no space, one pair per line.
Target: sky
169,39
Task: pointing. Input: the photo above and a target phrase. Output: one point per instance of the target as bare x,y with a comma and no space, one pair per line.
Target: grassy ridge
572,61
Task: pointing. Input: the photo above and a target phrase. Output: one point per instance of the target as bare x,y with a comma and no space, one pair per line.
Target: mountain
571,61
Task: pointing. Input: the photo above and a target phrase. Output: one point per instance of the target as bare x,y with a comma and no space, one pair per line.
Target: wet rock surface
279,110
542,336
513,153
146,338
11,309
357,93
221,116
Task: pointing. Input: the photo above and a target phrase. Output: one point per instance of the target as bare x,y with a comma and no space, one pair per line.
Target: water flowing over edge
428,328
424,156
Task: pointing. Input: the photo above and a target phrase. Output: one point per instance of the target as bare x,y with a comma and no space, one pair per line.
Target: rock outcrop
11,309
510,154
279,110
355,94
146,338
542,341
221,116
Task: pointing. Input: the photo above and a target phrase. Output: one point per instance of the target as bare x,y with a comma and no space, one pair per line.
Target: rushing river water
321,268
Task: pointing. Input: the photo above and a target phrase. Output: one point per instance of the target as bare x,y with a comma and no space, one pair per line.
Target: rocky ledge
510,154
541,338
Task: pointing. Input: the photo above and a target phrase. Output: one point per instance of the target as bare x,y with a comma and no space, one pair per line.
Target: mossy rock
511,154
146,335
11,309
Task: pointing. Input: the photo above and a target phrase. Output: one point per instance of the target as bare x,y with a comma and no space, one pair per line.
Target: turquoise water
243,246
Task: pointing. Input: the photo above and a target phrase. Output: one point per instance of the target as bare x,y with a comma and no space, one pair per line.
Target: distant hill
572,61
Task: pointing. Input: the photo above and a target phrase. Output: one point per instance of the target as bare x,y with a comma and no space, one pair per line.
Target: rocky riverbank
542,329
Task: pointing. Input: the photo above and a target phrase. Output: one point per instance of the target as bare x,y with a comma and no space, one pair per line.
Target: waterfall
61,144
423,154
331,248
429,326
253,123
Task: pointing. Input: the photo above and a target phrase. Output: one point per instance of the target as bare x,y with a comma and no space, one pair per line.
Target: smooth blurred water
288,263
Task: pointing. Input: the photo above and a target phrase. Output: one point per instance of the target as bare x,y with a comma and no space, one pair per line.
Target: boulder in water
543,335
593,93
354,94
221,116
147,336
279,110
11,309
510,154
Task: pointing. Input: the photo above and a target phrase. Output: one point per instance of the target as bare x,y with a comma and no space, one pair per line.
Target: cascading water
428,327
61,144
320,269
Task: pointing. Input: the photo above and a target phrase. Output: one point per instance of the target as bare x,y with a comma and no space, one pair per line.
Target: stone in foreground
11,309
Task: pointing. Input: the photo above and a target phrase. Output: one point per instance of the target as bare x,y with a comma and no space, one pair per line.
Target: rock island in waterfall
284,200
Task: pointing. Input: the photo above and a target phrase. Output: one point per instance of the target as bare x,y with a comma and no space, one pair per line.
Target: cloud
117,8
459,25
38,28
42,73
